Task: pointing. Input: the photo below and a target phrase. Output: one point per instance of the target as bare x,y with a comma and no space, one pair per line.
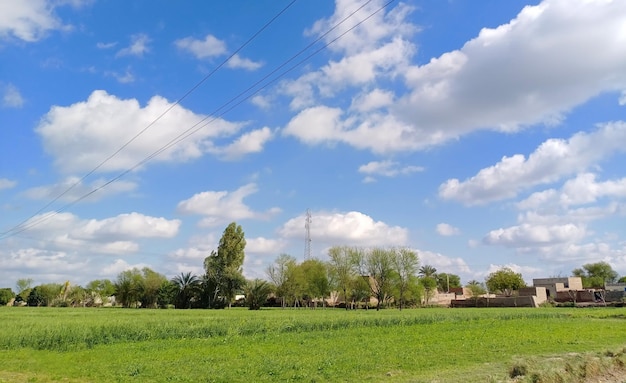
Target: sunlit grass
293,345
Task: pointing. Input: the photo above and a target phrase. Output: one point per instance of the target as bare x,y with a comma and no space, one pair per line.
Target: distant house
555,285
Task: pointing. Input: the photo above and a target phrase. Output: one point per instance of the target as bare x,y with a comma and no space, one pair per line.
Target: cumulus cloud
447,230
262,245
247,143
220,207
7,183
387,168
531,70
114,235
82,135
12,98
552,160
443,263
212,47
29,21
529,235
138,46
238,62
351,228
72,188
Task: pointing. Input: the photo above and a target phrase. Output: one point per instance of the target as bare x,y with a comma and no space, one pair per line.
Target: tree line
350,278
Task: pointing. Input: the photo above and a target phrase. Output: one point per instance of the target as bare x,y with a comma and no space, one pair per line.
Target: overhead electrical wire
157,119
233,102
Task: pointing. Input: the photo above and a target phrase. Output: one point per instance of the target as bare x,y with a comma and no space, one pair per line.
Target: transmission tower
307,235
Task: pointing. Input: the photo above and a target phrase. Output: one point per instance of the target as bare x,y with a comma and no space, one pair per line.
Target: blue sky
482,134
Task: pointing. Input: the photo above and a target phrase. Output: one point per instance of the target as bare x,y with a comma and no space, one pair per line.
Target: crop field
323,345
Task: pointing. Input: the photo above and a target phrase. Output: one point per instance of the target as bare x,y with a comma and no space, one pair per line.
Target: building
555,285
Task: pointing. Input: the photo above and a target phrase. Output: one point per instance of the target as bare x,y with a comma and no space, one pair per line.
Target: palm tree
186,284
256,293
427,271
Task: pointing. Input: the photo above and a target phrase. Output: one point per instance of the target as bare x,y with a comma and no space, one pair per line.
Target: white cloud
261,245
443,263
528,272
112,270
138,46
79,190
447,230
532,70
622,98
238,62
379,27
211,46
82,135
247,143
123,78
388,168
372,100
12,98
552,160
352,228
7,183
106,45
220,207
529,235
28,20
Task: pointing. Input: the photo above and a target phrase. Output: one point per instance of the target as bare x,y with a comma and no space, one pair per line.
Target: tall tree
23,287
380,270
186,286
596,275
278,275
343,266
505,280
152,282
6,295
317,284
405,264
224,267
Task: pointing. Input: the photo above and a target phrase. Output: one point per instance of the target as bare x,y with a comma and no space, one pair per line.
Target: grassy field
332,345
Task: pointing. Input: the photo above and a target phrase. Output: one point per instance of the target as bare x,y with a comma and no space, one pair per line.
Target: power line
209,119
157,119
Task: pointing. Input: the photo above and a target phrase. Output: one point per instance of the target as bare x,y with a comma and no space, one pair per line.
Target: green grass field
331,345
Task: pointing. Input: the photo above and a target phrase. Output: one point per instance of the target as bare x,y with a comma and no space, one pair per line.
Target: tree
23,287
476,289
316,282
186,286
152,282
447,281
343,265
99,290
427,271
129,287
622,280
224,267
505,280
596,275
257,292
430,286
6,295
44,295
278,275
405,264
379,263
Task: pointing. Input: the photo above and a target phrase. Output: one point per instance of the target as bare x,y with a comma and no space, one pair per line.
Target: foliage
6,294
596,275
224,267
316,282
186,285
343,267
428,271
278,275
476,288
152,282
446,281
505,280
379,266
429,284
405,264
23,286
257,292
129,287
